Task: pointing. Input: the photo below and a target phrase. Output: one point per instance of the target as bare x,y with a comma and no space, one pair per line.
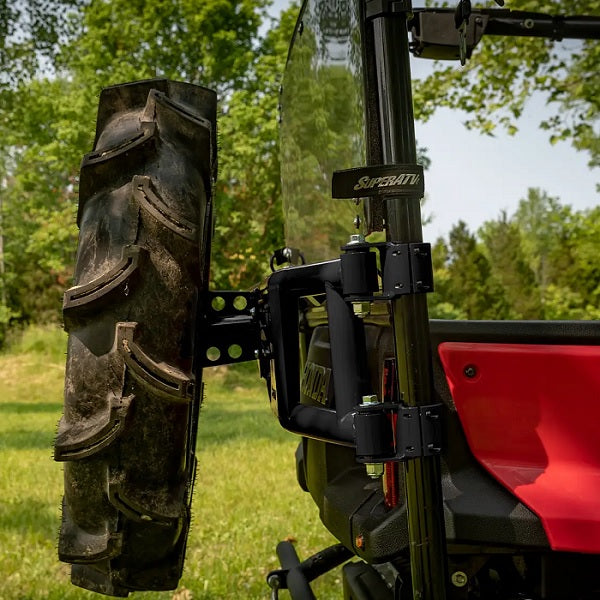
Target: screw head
470,371
459,579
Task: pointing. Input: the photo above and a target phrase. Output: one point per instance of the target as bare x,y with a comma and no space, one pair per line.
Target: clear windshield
323,126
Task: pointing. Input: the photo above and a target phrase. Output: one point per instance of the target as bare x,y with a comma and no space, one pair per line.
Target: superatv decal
397,180
367,182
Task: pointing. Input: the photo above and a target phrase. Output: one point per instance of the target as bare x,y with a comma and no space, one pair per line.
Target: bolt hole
213,354
240,303
234,351
218,303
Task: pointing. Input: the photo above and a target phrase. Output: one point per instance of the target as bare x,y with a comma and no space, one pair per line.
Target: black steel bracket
393,432
382,8
231,328
405,269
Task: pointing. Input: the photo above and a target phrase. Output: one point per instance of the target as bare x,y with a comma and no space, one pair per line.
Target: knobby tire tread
132,389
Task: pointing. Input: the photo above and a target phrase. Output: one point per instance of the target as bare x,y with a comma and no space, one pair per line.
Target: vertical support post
409,313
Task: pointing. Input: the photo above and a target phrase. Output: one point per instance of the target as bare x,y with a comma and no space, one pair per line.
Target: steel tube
409,313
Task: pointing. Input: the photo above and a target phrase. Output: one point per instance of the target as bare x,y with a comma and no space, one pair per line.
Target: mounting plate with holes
231,329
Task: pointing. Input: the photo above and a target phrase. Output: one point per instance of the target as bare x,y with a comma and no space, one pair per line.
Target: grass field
246,496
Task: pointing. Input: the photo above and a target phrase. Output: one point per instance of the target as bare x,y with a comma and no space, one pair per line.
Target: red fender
531,416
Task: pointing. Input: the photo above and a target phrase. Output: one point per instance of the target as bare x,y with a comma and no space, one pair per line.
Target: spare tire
133,385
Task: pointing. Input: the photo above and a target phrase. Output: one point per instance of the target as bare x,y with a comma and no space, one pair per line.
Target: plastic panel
531,414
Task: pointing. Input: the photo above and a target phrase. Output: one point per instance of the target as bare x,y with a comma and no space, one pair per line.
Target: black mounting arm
264,324
435,34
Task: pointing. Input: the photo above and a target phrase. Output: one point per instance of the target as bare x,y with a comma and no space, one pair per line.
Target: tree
249,223
504,73
471,286
502,239
47,121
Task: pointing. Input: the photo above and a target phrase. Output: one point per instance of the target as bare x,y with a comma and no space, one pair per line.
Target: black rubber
132,391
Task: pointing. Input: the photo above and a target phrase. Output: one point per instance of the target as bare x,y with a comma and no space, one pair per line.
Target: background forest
56,55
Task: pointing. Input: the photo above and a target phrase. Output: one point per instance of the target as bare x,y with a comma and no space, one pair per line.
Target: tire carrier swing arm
267,328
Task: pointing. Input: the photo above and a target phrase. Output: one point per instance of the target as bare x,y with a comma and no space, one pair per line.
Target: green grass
246,496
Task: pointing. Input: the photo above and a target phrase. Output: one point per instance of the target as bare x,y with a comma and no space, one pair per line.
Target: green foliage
47,120
541,263
504,72
249,219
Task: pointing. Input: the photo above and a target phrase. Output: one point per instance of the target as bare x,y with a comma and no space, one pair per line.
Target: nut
361,309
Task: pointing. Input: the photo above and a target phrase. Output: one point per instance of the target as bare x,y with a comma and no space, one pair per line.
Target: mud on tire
132,393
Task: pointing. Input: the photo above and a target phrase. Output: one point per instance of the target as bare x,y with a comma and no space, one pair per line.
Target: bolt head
470,371
356,238
459,579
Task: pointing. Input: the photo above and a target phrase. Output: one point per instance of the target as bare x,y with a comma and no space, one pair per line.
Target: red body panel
531,415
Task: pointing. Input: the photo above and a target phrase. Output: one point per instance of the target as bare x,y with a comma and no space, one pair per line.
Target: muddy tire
132,389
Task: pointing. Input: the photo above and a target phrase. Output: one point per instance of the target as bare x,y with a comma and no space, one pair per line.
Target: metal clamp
405,269
381,8
392,432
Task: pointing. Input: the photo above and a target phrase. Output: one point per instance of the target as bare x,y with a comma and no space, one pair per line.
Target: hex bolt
459,579
374,470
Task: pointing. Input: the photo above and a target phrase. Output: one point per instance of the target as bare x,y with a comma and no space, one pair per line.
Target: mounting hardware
232,331
435,34
361,309
406,269
293,256
459,579
374,470
380,8
393,432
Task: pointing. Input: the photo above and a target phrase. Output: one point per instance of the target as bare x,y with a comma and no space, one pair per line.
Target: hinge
405,269
393,432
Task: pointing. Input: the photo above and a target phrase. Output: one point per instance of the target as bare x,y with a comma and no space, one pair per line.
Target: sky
474,177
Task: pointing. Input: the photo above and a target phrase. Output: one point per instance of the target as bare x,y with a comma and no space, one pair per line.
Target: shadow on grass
218,425
30,407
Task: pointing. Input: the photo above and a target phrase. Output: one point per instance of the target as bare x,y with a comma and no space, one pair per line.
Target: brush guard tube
296,576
